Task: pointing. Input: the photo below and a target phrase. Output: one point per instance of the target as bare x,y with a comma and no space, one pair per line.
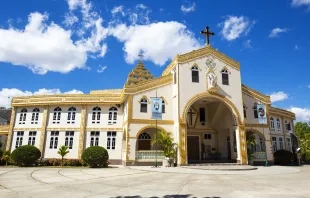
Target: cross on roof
207,33
141,56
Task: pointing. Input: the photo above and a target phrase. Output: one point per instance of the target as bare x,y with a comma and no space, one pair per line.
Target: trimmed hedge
96,156
283,157
26,155
57,162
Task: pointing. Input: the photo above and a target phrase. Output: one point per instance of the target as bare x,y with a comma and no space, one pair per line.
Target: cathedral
205,106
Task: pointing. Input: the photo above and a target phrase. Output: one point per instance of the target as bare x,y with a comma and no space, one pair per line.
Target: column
182,159
232,137
11,130
241,145
43,131
82,131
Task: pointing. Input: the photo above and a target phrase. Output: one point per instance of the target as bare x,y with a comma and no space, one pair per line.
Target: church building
205,106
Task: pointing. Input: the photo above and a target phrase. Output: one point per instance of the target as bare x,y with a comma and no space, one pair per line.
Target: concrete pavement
40,182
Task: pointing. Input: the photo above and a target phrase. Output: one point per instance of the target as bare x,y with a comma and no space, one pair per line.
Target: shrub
96,156
57,162
26,155
283,157
1,153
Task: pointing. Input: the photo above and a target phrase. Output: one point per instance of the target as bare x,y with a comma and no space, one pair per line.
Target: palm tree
6,156
63,151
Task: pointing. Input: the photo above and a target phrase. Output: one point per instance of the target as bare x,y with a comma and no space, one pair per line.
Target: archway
211,124
256,146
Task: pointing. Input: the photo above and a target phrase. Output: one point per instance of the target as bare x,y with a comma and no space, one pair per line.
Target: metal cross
207,33
191,113
141,56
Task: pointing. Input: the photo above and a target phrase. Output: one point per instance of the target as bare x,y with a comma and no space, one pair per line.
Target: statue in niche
211,80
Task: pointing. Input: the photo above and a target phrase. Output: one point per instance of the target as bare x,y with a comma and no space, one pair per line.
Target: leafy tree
302,131
96,156
251,142
26,155
63,151
6,156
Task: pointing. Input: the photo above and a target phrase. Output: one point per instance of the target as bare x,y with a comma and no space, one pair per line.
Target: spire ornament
207,33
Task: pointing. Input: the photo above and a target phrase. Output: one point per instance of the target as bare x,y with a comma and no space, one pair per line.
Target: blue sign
261,110
156,108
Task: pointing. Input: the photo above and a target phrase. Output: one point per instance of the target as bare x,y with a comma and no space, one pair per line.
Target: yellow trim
103,129
225,68
255,131
163,98
82,131
195,65
255,94
10,135
150,127
144,121
145,97
282,112
4,129
202,52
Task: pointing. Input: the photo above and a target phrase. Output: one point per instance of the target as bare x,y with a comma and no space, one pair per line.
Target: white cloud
70,19
296,47
7,94
300,2
234,27
139,15
141,6
118,9
278,96
101,69
158,42
302,114
41,47
247,44
276,31
189,8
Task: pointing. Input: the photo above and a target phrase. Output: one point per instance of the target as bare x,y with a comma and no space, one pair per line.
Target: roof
282,112
3,120
255,94
139,74
5,114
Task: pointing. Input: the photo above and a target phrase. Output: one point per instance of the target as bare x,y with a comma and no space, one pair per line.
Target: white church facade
205,106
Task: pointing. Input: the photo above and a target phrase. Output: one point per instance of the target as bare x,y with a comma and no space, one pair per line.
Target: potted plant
165,141
251,142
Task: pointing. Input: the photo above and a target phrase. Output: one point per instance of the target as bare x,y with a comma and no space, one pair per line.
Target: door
144,145
193,148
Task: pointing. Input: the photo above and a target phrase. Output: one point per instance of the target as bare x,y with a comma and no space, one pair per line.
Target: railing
149,155
257,155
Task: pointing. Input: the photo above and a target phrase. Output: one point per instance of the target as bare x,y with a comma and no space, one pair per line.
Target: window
144,142
274,144
207,136
111,140
56,116
22,117
32,138
225,80
143,105
71,115
19,139
54,139
96,115
278,124
163,107
112,115
94,138
69,139
244,111
289,144
255,110
262,145
281,142
202,114
288,125
35,116
271,123
195,74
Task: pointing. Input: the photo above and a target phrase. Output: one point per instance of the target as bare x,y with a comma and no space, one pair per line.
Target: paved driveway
149,182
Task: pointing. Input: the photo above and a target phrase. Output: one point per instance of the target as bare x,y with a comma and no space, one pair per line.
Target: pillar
241,145
43,130
11,130
182,159
82,131
232,137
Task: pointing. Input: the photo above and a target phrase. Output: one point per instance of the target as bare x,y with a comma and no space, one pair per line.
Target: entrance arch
235,131
257,152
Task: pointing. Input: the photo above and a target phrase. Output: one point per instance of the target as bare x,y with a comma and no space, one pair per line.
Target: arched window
195,74
271,123
143,105
144,141
255,110
57,115
35,116
96,115
278,124
22,117
288,125
94,138
163,107
71,115
225,79
262,145
244,111
112,115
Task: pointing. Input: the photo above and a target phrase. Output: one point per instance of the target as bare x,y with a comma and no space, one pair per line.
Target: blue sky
59,46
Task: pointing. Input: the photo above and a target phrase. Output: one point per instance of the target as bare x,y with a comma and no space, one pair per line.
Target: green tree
251,142
165,140
6,156
302,131
63,151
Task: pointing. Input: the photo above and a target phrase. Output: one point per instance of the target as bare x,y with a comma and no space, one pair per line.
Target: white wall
28,118
25,139
104,117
